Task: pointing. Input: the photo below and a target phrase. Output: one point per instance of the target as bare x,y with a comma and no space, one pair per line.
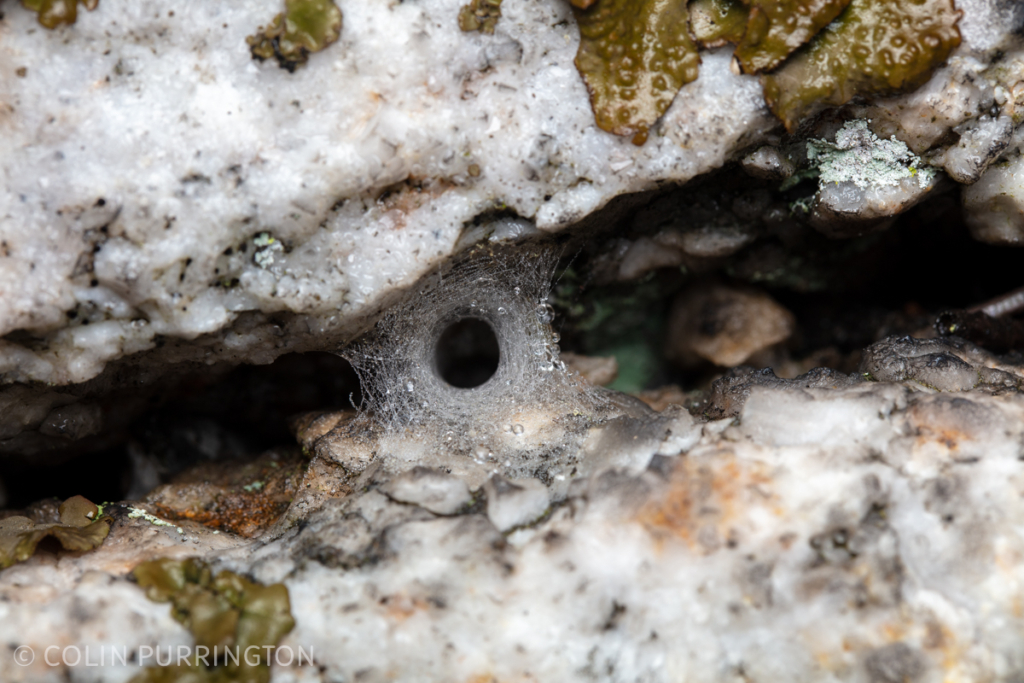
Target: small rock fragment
981,142
860,157
439,493
514,503
724,325
730,392
769,163
994,206
864,180
598,370
645,255
941,364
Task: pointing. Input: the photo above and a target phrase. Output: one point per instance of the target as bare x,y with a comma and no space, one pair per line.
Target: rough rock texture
136,199
710,552
168,200
168,203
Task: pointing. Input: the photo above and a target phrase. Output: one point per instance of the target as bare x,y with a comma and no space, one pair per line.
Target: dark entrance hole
467,353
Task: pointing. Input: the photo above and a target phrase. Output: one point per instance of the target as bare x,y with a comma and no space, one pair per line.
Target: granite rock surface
868,532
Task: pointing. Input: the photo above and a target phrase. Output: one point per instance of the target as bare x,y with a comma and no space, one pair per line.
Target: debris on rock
240,497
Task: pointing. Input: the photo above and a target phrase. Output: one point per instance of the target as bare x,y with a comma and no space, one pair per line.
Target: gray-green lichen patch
480,15
80,528
53,13
634,57
305,27
864,181
775,29
859,156
226,611
873,47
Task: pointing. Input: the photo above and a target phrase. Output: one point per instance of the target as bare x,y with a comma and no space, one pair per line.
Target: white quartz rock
994,206
159,181
888,513
440,493
514,503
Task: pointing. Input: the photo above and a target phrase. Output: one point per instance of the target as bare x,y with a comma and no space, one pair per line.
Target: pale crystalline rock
868,533
437,492
158,180
512,504
994,206
193,205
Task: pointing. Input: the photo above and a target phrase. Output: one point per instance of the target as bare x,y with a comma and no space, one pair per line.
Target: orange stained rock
707,498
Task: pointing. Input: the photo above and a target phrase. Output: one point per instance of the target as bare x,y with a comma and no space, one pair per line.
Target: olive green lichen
860,157
305,27
717,22
53,13
480,15
634,55
80,528
226,611
776,28
874,47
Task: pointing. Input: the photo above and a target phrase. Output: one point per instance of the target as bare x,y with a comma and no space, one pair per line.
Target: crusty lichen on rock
873,47
717,22
53,13
305,27
777,28
226,611
80,528
480,15
859,156
634,57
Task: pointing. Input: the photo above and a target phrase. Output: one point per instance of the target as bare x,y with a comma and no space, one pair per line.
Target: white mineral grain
435,491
